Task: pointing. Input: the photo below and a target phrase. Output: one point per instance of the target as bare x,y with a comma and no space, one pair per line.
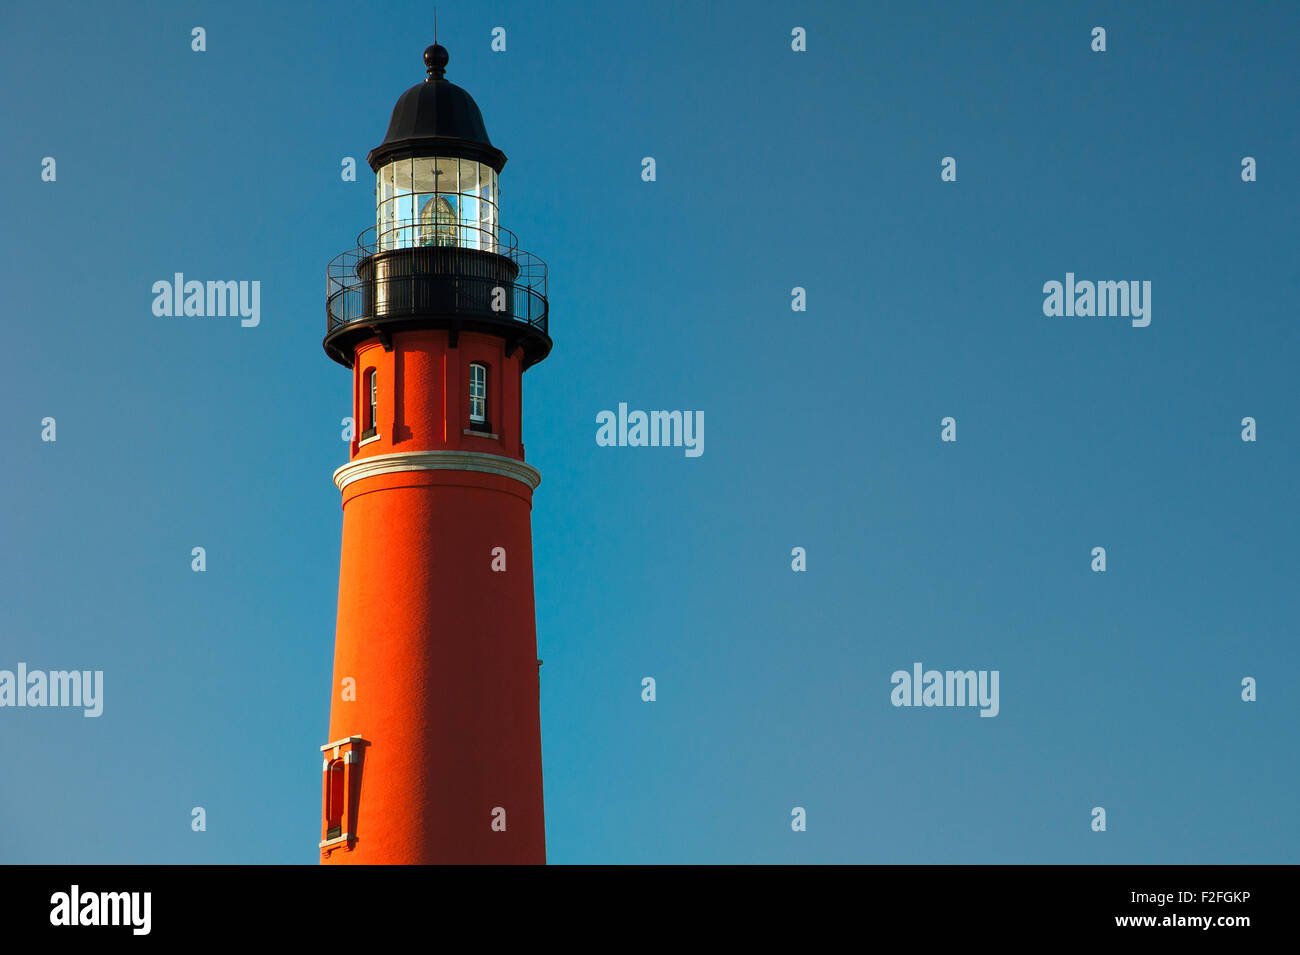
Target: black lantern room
437,255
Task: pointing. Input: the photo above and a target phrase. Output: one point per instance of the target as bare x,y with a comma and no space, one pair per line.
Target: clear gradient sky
775,169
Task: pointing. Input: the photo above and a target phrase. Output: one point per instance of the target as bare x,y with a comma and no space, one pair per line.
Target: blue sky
775,169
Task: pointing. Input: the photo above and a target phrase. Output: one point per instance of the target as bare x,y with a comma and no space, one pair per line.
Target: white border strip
436,461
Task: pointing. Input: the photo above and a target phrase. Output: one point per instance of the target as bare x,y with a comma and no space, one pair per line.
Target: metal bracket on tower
384,337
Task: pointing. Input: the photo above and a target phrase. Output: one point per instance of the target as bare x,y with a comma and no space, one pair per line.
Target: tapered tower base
436,664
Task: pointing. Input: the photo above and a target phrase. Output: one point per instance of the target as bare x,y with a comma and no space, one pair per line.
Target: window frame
370,406
336,798
478,422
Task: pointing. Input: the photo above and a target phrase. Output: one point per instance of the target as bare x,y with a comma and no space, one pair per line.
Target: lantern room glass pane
405,219
422,175
438,224
384,206
402,176
469,219
487,225
447,173
468,177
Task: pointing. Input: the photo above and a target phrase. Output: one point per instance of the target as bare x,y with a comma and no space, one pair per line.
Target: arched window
334,800
370,407
438,222
478,397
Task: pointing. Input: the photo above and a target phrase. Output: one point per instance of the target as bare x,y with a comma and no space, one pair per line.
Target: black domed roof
436,118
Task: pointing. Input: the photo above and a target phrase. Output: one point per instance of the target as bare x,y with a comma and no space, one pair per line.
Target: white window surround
342,742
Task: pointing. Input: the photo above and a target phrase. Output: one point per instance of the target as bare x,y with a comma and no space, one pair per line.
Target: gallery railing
411,269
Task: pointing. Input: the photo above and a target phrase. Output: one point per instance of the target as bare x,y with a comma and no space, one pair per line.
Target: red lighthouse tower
434,752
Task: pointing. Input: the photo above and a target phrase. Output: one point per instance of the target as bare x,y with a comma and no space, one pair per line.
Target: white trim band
437,461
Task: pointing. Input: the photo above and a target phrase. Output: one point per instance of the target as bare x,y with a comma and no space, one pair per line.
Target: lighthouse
434,747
